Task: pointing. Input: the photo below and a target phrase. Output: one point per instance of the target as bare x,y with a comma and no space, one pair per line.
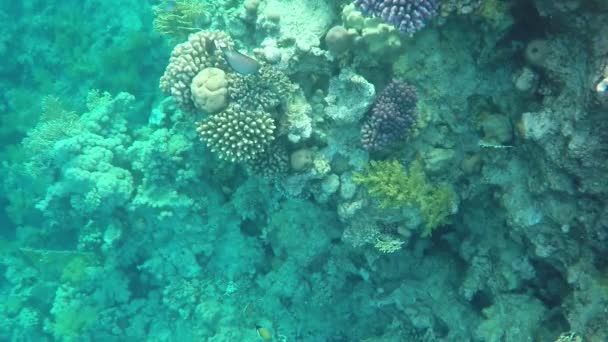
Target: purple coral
408,16
391,117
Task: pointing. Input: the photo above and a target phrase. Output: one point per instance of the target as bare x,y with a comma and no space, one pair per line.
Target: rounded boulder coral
210,90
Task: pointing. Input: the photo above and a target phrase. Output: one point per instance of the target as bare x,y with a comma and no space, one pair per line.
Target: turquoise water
312,170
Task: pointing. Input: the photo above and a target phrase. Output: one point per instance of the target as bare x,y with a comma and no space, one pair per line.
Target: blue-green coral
186,247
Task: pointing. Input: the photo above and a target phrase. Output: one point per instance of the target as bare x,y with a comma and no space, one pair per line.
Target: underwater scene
304,170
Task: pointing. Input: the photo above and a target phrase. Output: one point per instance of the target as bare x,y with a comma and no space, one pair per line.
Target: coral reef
360,178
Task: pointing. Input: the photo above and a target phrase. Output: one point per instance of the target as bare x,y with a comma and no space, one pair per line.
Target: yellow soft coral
176,19
395,187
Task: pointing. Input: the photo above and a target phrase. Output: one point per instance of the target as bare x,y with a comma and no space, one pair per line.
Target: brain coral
190,58
408,16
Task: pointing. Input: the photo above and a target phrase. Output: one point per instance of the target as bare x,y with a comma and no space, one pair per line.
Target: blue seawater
444,180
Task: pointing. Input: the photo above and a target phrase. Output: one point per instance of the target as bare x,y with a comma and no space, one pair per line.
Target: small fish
602,86
264,333
239,62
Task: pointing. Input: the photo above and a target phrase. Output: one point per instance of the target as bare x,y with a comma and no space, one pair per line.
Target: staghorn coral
408,16
237,135
190,58
392,116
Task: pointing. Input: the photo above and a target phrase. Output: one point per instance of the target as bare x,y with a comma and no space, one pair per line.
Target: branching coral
71,315
408,16
236,134
394,187
265,90
86,171
272,163
392,116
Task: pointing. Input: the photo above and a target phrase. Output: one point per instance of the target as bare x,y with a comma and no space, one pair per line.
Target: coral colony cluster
311,170
241,124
